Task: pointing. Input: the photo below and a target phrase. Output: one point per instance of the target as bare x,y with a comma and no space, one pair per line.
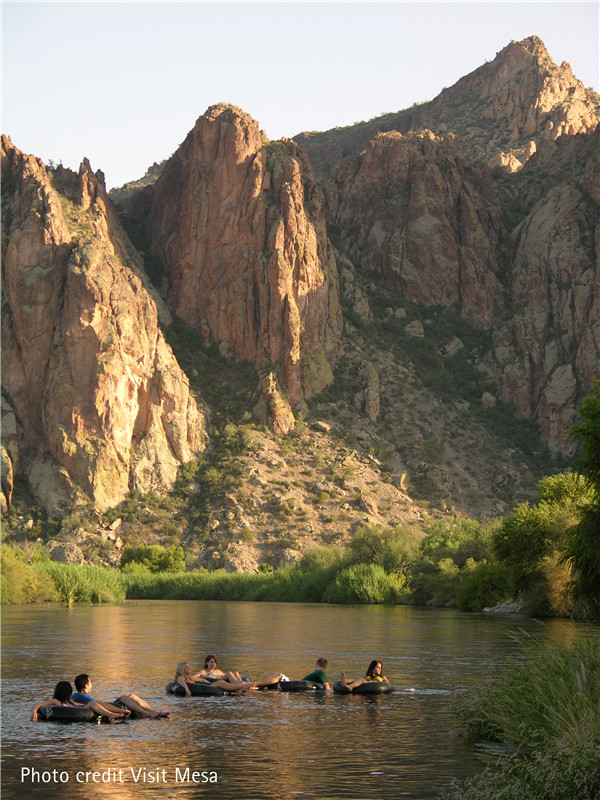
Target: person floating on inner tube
183,676
63,696
374,673
211,673
83,685
318,675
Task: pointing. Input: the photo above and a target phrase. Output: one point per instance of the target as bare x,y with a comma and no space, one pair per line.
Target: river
261,744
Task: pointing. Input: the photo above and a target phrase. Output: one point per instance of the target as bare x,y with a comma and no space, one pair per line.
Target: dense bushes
457,567
154,557
82,584
364,583
21,583
582,550
393,549
531,543
555,771
455,562
545,705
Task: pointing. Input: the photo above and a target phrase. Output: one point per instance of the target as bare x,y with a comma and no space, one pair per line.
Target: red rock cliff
418,213
100,401
546,353
441,230
239,224
500,112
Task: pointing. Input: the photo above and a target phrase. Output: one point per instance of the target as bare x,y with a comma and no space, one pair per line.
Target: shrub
364,583
458,538
546,705
546,594
393,549
83,584
155,557
554,771
483,585
566,487
447,574
582,551
550,691
528,535
21,583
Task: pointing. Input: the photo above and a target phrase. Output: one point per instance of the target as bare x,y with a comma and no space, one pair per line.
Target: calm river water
258,745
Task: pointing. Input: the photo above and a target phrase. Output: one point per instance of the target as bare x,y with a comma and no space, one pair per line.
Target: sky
122,83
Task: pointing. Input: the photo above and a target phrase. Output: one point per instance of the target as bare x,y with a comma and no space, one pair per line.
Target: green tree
394,549
155,557
583,540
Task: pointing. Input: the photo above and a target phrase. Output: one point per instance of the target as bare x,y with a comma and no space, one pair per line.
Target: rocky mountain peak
532,97
238,222
500,112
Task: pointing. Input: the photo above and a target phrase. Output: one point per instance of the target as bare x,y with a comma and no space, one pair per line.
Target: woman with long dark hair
374,673
63,696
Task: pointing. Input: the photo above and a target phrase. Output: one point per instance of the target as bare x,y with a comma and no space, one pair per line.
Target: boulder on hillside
65,552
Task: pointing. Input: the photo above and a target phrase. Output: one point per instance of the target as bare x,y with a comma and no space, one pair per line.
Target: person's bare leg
234,686
139,706
269,680
101,709
233,676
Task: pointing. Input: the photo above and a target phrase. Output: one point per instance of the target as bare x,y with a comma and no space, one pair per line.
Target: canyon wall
239,224
98,401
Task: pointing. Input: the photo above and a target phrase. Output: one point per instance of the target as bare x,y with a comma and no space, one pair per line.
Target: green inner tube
67,713
196,689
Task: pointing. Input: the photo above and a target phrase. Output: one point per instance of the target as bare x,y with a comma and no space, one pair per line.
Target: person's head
374,668
207,661
181,669
81,681
322,663
63,691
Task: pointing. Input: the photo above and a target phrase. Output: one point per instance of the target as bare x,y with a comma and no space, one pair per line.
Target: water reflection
259,745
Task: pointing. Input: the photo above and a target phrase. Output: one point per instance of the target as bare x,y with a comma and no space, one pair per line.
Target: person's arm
197,678
34,714
323,680
182,682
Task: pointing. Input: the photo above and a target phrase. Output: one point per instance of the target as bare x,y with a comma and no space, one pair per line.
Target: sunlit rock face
415,211
239,224
101,403
501,112
546,354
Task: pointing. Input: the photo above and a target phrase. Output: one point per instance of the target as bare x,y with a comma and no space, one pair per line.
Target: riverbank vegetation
544,554
457,562
545,706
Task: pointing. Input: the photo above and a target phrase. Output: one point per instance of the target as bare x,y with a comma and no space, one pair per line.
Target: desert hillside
259,346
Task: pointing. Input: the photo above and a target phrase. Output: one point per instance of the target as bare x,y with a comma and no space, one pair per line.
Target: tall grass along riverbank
545,705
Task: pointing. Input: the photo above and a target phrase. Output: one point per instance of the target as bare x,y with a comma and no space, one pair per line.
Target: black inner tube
67,713
196,689
371,687
299,686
